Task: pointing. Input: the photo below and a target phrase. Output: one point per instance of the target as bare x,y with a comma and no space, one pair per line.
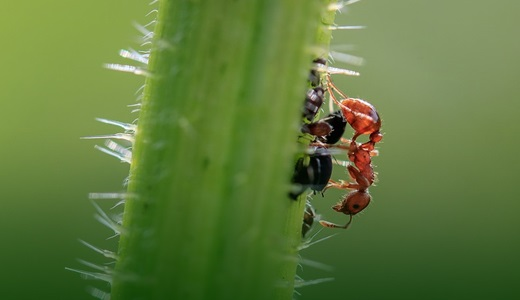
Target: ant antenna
331,86
349,221
332,225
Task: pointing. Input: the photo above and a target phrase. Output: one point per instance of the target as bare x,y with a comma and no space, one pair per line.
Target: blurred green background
443,75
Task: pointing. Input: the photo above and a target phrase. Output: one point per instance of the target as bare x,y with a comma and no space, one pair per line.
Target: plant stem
209,216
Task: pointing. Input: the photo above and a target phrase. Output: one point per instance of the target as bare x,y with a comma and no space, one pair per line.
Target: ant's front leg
342,185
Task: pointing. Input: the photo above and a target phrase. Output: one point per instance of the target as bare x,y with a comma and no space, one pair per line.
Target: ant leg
339,185
331,93
320,145
346,141
343,163
346,185
355,137
362,181
331,86
334,184
332,225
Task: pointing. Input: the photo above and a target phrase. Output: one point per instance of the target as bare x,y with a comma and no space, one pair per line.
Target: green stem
209,216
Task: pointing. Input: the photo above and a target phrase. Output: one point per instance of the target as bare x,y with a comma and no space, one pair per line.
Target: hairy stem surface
209,216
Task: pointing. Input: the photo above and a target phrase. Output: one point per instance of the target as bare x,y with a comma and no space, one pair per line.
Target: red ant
364,119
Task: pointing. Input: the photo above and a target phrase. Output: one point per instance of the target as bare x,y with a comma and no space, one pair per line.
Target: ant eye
355,206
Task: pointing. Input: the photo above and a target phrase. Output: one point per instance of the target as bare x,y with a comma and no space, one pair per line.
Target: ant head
353,202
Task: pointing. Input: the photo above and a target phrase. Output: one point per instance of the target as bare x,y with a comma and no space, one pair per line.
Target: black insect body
313,102
313,174
328,130
337,123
